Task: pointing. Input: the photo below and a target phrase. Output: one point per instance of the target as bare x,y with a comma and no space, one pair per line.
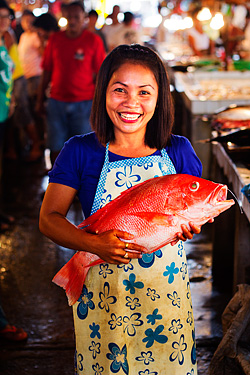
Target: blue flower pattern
106,200
180,248
145,357
175,326
98,369
148,259
179,347
105,270
95,331
142,317
130,323
85,304
153,317
131,284
127,178
152,294
126,267
183,270
176,301
171,271
132,303
193,351
146,165
152,336
118,357
105,298
94,348
115,321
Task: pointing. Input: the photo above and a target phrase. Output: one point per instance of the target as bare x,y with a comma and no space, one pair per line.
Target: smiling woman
140,60
134,312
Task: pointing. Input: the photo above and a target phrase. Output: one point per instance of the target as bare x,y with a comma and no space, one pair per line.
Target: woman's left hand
187,234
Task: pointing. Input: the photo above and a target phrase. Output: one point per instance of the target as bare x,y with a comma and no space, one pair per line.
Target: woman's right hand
111,246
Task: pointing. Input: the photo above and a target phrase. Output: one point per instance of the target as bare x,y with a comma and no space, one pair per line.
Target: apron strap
102,179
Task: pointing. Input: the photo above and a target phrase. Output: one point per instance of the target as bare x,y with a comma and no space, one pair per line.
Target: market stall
203,94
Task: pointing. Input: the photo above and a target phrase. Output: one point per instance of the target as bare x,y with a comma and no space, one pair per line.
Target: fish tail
72,275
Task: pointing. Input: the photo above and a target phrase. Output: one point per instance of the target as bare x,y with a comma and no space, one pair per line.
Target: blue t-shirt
80,162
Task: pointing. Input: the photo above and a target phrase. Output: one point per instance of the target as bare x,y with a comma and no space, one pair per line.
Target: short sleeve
184,157
47,63
69,165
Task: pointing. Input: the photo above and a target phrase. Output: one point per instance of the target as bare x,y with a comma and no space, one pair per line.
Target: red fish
153,211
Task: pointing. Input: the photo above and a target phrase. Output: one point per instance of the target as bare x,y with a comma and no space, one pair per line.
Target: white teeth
129,116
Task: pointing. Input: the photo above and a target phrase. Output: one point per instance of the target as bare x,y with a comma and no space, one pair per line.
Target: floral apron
136,318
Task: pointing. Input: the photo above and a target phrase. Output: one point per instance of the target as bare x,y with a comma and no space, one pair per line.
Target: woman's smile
131,98
130,117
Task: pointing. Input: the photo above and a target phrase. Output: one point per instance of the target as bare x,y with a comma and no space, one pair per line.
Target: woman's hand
111,246
187,234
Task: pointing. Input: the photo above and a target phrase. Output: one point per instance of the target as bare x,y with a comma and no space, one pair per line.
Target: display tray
206,92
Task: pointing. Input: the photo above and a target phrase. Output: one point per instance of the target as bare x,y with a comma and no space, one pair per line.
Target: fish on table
233,117
153,211
239,137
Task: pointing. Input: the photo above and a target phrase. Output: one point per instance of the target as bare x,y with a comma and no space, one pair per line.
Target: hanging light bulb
217,21
204,14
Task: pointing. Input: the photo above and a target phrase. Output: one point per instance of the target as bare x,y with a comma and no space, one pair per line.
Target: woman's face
131,98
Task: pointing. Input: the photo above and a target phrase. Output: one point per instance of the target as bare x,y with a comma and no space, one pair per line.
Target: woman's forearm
61,231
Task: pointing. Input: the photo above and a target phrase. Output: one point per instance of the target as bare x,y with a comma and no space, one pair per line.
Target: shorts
66,119
32,86
22,114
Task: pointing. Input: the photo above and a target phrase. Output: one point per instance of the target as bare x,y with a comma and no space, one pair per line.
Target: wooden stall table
231,239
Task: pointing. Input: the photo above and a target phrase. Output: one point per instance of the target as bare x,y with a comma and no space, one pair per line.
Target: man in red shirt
71,60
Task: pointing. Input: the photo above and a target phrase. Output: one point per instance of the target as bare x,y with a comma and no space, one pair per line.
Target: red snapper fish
153,211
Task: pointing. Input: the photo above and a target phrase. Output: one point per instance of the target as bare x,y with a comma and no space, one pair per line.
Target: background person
7,331
92,19
45,25
110,29
127,33
198,40
22,120
30,54
6,84
151,321
72,78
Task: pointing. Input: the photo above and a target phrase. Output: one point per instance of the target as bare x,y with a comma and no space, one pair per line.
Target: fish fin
173,203
156,218
72,275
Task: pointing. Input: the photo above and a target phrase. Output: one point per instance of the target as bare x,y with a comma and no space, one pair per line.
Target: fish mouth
219,196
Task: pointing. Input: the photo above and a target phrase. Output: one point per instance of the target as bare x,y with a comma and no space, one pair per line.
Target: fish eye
194,186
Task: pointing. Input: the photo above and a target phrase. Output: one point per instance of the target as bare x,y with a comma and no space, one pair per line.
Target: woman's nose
132,100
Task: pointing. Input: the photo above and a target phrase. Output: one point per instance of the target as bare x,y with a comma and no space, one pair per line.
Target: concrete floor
28,262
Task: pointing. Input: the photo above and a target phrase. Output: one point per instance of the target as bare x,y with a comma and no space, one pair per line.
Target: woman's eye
194,186
144,92
119,89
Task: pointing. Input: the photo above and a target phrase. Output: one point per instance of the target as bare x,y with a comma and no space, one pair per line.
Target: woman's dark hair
160,125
